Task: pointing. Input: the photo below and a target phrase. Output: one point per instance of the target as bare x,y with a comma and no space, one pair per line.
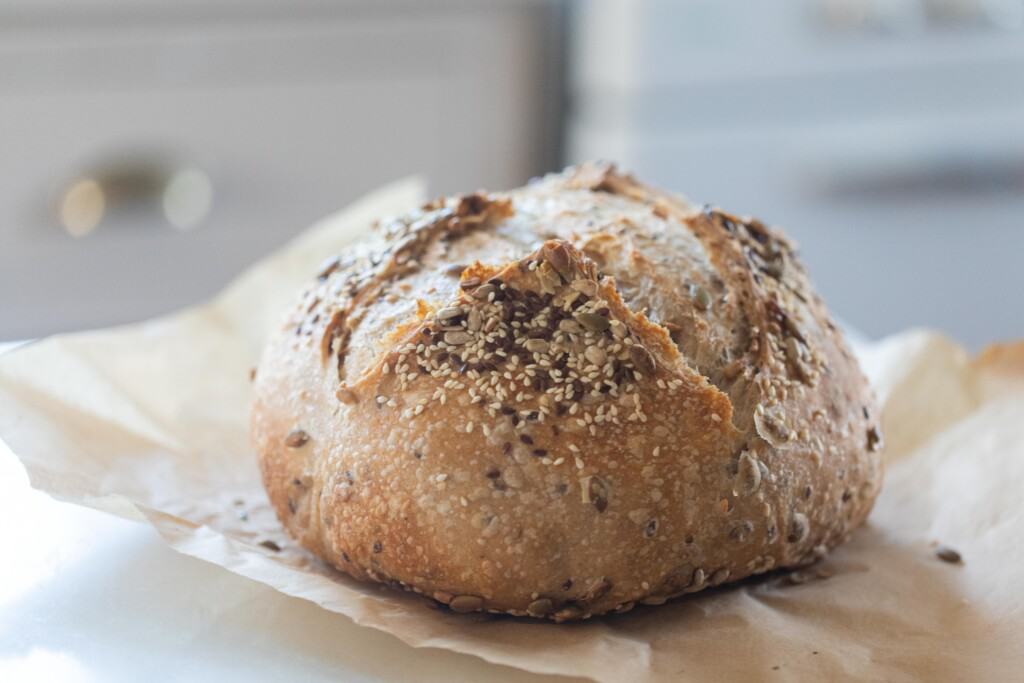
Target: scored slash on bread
565,400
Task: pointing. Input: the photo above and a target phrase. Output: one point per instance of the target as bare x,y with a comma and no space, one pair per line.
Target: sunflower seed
596,355
540,607
651,528
642,359
466,603
741,531
748,475
559,258
483,292
570,325
874,439
770,428
799,528
594,491
719,577
587,287
457,337
697,583
568,612
449,312
296,439
654,600
550,280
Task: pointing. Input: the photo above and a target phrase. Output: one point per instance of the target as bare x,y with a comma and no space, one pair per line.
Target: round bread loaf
563,400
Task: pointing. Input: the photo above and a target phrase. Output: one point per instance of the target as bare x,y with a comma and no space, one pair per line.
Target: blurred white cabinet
886,138
290,108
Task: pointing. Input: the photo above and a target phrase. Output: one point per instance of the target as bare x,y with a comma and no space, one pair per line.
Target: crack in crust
408,238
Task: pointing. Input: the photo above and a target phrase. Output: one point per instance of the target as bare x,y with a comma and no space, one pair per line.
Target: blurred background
151,149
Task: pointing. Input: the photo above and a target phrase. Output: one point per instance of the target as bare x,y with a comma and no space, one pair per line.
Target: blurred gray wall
887,138
249,120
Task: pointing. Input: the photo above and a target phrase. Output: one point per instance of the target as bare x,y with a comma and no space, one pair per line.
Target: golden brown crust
564,400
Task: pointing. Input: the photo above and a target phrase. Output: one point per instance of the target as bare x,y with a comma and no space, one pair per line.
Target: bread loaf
563,400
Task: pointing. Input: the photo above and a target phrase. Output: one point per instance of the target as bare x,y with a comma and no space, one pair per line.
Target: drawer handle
181,195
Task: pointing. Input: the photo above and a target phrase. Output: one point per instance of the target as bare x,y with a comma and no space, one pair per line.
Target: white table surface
85,596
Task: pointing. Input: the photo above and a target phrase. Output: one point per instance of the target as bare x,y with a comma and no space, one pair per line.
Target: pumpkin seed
700,296
536,345
592,321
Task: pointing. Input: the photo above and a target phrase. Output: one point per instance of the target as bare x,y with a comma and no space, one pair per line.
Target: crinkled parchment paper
150,422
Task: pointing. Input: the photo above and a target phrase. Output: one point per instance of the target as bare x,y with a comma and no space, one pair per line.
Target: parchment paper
149,422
